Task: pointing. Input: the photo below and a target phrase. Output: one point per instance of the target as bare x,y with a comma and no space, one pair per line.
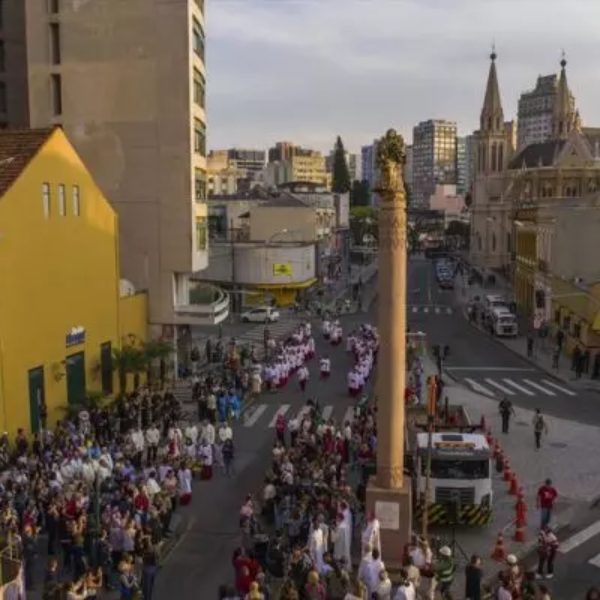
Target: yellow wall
56,273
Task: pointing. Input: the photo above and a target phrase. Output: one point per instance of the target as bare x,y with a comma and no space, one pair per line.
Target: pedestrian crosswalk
266,414
428,309
582,537
506,386
256,335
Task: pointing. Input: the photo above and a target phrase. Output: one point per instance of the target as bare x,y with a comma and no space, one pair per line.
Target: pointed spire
564,116
492,117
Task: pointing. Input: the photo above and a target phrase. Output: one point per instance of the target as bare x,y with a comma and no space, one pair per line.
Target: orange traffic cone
499,553
514,486
519,530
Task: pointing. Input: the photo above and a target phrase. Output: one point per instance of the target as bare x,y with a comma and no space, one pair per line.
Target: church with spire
526,199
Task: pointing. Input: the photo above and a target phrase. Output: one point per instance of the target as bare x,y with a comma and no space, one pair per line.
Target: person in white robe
342,541
316,546
371,534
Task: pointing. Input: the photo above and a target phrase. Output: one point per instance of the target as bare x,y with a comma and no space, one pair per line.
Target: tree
341,174
127,359
156,350
360,196
363,224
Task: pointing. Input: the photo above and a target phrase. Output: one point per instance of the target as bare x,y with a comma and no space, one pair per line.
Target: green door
106,367
37,399
76,378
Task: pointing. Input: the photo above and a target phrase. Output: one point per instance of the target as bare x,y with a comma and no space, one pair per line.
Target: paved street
479,372
201,560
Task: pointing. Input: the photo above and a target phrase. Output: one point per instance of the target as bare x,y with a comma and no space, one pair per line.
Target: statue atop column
391,158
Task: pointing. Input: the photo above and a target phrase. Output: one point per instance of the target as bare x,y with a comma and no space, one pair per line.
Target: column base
393,509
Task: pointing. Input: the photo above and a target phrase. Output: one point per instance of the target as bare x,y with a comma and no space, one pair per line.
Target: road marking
559,388
479,388
280,411
539,387
595,561
449,311
303,411
579,538
326,413
349,415
415,309
500,387
425,309
260,409
517,386
507,369
437,310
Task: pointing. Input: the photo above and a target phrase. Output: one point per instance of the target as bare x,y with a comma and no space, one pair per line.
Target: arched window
493,165
500,157
493,242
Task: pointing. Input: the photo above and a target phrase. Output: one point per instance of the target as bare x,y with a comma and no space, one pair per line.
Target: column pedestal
393,509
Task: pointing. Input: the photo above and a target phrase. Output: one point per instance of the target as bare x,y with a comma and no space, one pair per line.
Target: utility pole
431,412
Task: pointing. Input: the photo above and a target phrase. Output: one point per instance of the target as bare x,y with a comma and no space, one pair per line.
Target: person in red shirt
545,502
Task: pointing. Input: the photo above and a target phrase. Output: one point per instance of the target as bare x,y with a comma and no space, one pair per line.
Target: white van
503,323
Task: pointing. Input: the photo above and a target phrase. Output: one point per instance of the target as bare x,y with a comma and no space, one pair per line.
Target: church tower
564,117
492,151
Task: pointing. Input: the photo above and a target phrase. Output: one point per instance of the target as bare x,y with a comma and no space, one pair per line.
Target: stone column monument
389,492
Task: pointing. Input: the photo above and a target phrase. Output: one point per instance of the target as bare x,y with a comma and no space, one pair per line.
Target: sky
309,70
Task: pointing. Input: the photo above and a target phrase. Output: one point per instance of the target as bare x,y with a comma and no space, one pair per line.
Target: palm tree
156,350
127,359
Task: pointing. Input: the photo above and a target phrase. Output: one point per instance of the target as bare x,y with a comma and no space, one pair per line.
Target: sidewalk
542,354
568,457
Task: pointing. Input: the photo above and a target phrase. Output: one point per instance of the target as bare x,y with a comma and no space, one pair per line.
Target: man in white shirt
137,439
208,433
225,433
303,377
352,384
152,441
325,364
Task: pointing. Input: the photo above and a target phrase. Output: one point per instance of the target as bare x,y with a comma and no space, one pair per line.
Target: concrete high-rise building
469,162
434,158
368,155
408,170
461,166
126,80
536,110
252,161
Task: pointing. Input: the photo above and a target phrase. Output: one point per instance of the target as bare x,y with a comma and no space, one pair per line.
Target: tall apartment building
368,162
461,166
434,158
535,111
282,151
408,170
245,159
126,80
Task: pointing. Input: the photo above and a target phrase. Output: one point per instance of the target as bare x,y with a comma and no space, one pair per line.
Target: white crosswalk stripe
437,310
448,310
326,412
415,309
518,387
251,420
579,538
595,561
426,309
349,415
559,388
478,387
501,387
303,411
542,389
280,411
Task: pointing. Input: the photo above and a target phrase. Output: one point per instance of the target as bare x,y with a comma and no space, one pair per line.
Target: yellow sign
282,269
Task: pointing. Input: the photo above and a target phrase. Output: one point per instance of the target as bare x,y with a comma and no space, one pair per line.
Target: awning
287,285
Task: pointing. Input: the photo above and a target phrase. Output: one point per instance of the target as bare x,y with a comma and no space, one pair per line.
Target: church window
500,157
493,165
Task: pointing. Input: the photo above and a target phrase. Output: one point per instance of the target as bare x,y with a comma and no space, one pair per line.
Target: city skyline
257,48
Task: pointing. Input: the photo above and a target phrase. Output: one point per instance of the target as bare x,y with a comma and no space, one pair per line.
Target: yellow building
61,313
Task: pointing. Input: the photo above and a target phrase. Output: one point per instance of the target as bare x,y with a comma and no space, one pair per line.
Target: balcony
200,303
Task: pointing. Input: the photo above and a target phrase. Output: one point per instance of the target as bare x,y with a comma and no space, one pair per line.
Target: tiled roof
17,148
537,155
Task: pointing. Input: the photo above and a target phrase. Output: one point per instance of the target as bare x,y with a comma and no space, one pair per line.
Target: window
62,203
198,38
200,185
199,88
55,43
2,96
76,201
46,199
53,6
200,234
2,58
199,137
56,88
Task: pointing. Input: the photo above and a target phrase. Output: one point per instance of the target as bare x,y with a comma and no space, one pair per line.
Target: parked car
261,314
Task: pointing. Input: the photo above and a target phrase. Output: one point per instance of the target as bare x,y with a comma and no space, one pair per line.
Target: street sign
282,269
